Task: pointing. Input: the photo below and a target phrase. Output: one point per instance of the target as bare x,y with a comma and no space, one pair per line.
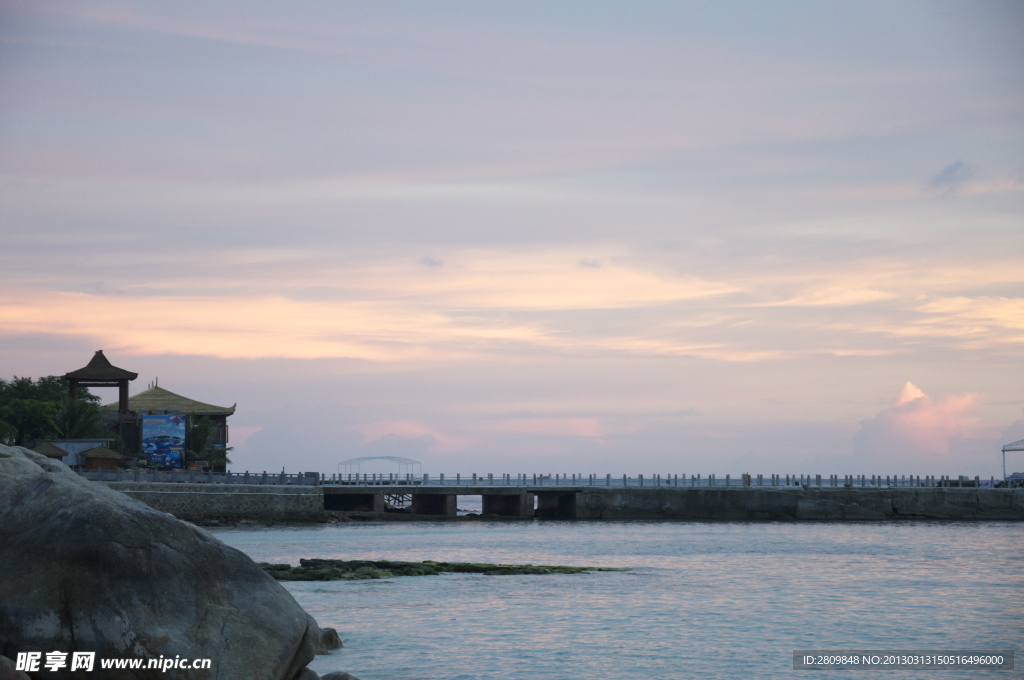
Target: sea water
700,600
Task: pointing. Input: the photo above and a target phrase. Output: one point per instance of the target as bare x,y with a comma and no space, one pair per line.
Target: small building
73,449
101,458
51,450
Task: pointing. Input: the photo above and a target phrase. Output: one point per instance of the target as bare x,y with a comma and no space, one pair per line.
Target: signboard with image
163,440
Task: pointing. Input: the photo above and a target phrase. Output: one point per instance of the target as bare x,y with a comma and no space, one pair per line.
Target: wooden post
122,396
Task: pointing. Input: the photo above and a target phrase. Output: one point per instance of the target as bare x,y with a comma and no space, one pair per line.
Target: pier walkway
189,493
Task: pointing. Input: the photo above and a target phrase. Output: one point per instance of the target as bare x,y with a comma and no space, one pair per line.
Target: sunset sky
573,237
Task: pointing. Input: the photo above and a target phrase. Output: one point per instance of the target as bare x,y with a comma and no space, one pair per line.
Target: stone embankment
204,503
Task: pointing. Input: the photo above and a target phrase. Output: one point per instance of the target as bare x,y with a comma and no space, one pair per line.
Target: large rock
8,672
85,568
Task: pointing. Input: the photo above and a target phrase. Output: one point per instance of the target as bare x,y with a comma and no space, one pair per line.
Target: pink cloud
915,428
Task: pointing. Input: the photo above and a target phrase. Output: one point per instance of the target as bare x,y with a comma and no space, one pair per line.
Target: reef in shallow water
351,570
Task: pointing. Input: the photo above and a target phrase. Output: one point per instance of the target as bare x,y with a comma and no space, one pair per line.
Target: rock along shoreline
88,569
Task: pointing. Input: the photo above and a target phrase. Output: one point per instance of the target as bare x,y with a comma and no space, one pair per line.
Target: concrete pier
795,503
232,502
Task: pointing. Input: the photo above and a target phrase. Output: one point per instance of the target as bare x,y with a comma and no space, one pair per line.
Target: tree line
43,409
36,410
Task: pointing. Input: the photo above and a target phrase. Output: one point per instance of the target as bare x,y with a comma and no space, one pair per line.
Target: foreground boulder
8,672
85,568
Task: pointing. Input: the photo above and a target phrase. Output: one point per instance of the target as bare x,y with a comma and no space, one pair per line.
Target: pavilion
99,372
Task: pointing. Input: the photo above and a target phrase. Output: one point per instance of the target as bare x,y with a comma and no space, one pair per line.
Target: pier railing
655,481
659,481
202,477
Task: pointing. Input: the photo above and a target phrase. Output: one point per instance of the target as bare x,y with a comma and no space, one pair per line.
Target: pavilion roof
159,399
100,368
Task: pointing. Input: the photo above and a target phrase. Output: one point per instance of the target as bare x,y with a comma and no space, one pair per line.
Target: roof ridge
158,398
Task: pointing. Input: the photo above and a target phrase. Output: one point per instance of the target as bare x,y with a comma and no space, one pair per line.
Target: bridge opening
508,506
556,505
349,502
433,504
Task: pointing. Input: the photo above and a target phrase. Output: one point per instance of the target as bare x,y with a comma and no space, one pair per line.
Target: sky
574,237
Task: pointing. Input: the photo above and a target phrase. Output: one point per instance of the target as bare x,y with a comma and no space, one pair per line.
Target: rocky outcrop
86,568
329,640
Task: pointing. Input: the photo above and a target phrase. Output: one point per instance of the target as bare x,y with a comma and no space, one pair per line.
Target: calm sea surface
702,600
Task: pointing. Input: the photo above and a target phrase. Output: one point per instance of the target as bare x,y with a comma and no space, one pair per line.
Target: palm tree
79,419
199,444
26,420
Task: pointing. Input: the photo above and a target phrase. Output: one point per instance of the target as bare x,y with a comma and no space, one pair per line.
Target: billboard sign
163,440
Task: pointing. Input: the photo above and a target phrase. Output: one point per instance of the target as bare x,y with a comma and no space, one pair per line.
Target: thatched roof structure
50,450
102,452
159,400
